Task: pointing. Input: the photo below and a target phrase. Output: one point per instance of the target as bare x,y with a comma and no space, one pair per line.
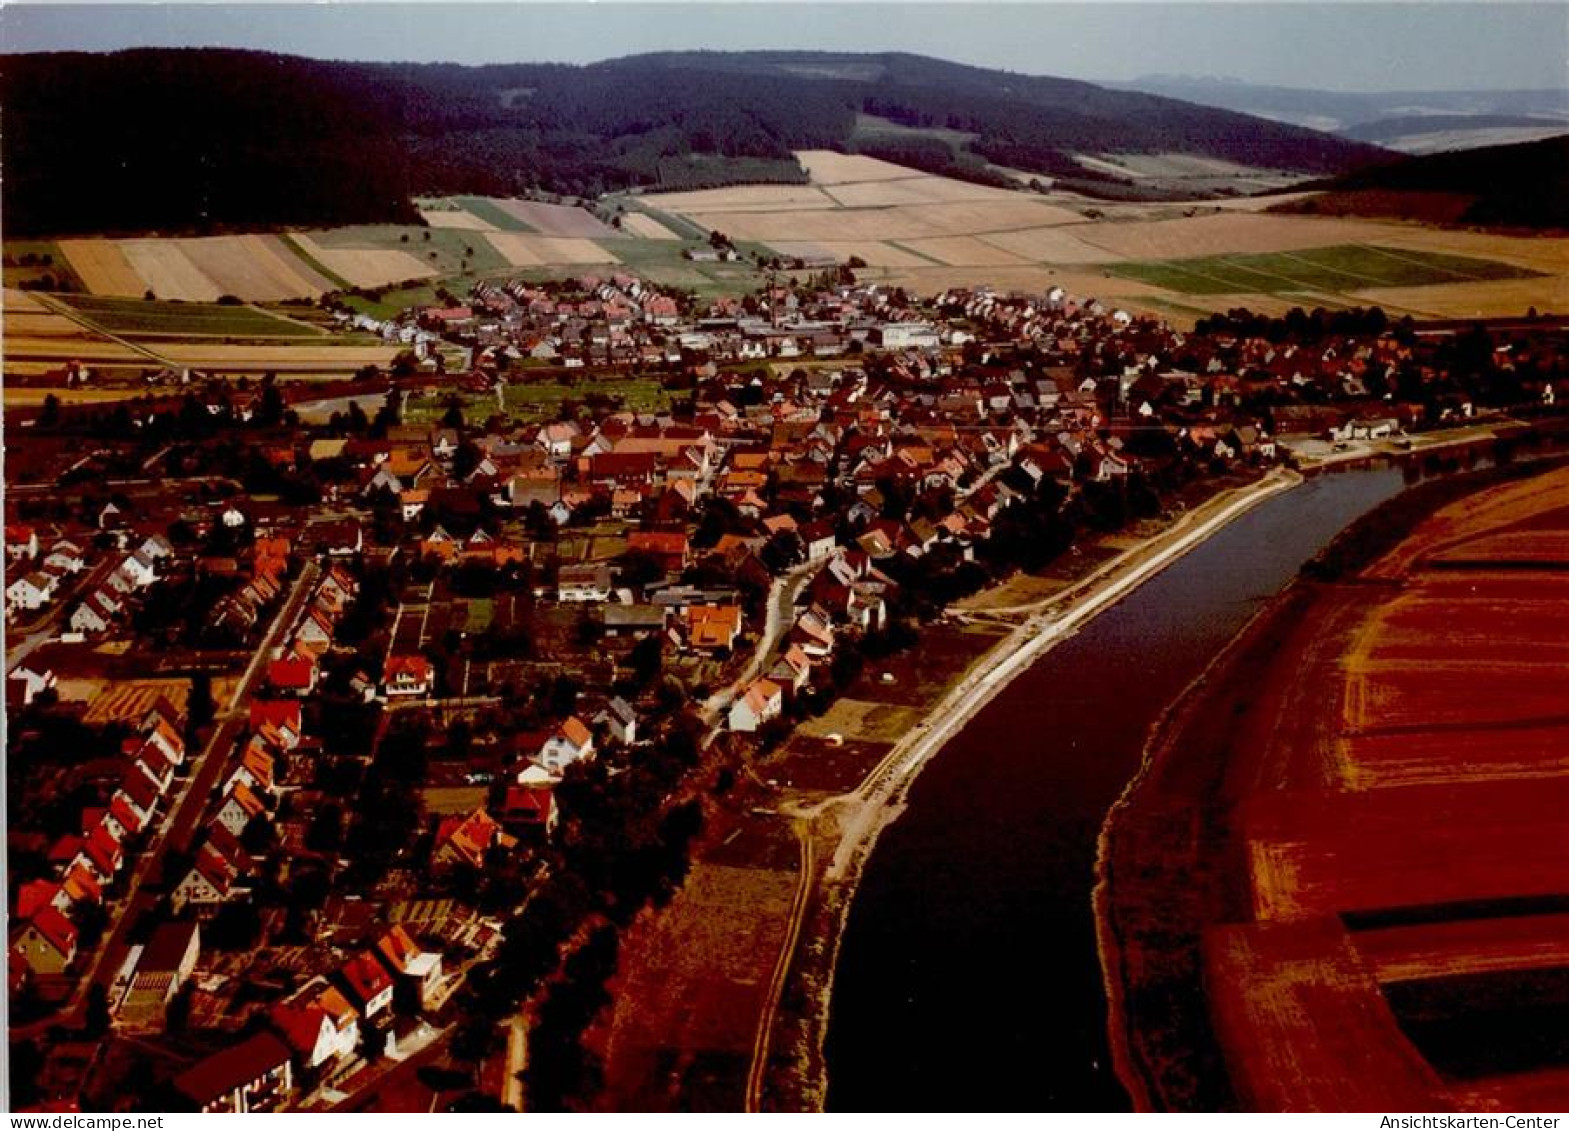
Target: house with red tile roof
292,675
47,943
760,703
318,1023
406,676
708,628
239,808
368,983
466,840
252,1076
282,716
409,961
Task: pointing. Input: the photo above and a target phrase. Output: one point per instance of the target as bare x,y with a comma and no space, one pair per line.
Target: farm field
522,250
645,226
885,215
1386,768
363,266
912,229
556,219
139,318
1344,267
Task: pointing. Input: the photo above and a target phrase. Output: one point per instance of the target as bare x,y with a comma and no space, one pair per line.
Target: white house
570,742
760,703
31,591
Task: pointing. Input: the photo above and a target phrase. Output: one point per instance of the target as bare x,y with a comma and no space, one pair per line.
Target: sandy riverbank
847,826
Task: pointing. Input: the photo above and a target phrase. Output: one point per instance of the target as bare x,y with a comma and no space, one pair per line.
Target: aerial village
326,724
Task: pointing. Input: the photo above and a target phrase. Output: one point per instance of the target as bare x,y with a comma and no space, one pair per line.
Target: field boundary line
897,246
68,311
1448,270
1364,280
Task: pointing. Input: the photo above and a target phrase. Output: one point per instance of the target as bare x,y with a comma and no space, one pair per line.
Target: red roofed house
670,550
293,675
369,984
239,808
318,1023
761,702
466,840
531,810
210,881
48,943
712,627
405,958
406,675
279,719
253,1075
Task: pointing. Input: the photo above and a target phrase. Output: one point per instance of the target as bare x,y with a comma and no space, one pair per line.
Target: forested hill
1512,186
191,140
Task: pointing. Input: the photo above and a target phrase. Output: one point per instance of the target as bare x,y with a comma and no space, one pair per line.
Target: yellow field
913,190
522,249
871,252
826,167
964,251
1222,233
103,268
33,397
1050,245
168,271
19,300
458,219
254,267
312,359
644,225
744,198
364,268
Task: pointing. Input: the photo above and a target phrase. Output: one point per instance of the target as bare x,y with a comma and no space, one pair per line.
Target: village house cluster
330,700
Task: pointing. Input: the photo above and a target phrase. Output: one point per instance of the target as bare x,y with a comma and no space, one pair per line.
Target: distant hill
1382,130
1345,111
1516,186
196,140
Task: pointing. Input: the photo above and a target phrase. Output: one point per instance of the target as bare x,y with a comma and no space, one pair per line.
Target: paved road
180,821
781,604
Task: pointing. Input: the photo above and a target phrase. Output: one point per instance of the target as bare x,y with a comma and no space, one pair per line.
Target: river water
968,978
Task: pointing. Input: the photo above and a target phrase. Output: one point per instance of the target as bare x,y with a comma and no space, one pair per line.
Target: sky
1325,45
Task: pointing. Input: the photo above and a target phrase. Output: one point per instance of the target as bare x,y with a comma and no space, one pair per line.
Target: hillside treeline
198,140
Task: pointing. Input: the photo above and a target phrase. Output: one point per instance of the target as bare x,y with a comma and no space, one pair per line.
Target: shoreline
861,815
1139,1065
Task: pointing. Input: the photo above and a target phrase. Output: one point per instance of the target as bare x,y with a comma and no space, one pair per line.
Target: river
968,977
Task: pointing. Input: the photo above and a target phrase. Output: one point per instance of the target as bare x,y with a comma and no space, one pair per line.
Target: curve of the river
968,977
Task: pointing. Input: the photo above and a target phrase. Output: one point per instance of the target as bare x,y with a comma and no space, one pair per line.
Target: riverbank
845,828
1232,870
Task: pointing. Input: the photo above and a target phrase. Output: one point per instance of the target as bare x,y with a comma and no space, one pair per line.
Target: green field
1347,267
185,319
